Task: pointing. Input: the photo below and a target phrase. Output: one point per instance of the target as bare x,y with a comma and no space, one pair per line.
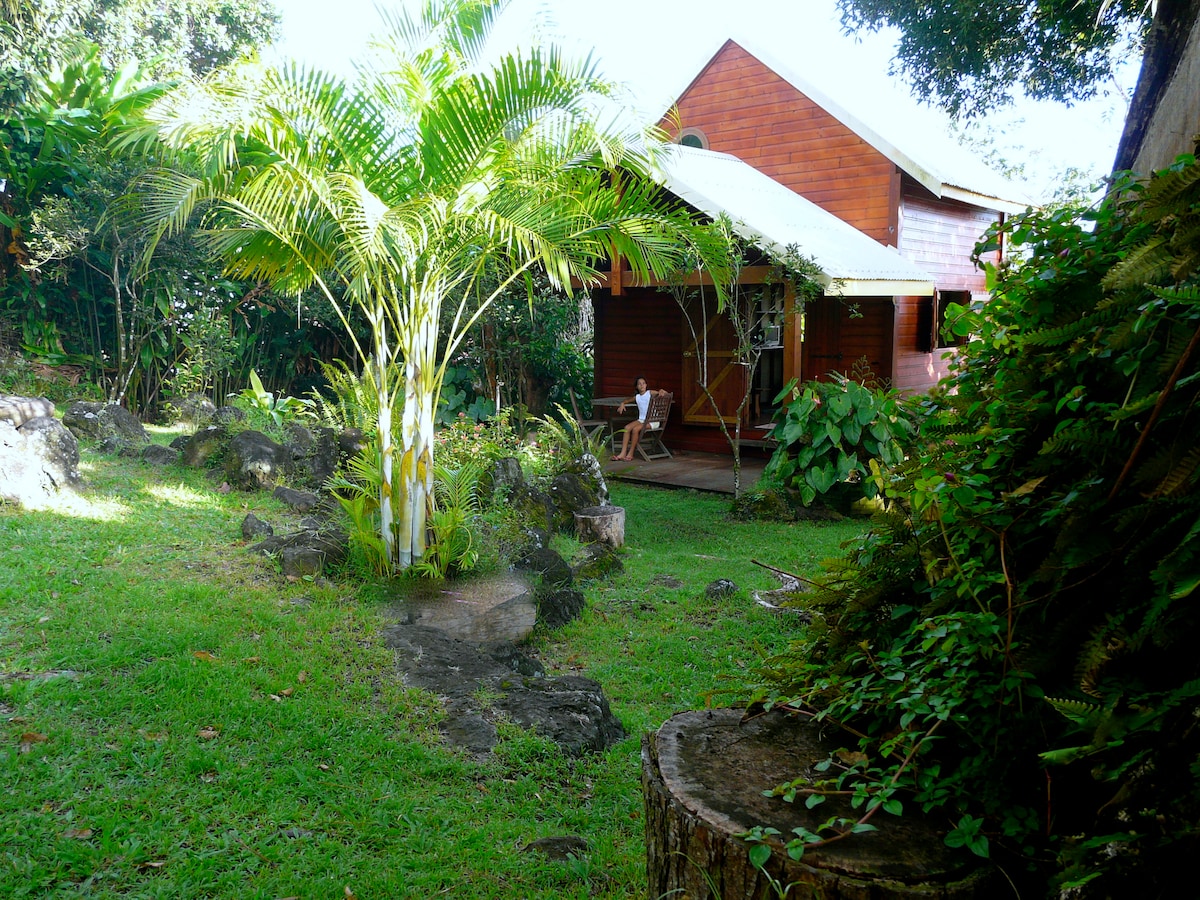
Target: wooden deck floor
701,471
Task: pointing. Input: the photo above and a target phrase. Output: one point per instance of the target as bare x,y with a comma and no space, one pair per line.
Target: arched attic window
693,137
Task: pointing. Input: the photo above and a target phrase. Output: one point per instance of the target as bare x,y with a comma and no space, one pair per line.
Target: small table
607,407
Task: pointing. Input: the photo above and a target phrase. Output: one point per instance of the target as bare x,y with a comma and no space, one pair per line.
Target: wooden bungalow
891,236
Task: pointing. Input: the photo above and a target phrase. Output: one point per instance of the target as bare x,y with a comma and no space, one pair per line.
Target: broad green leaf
759,855
840,404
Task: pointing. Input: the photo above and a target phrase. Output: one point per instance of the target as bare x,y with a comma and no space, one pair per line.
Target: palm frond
458,488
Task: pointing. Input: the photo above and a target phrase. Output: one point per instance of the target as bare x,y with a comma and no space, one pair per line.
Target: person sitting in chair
633,431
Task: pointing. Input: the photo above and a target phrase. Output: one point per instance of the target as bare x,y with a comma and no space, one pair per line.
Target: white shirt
643,404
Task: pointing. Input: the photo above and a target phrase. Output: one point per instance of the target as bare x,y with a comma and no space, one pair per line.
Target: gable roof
944,167
775,218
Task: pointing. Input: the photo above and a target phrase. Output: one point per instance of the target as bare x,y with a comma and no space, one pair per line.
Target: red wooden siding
747,110
914,369
637,333
837,334
940,235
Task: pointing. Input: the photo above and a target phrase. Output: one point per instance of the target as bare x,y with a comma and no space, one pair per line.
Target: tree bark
703,777
603,524
1167,45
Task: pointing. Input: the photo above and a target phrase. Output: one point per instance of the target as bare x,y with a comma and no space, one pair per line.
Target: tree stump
605,524
703,777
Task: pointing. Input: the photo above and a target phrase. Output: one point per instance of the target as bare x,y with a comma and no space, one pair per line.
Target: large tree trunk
703,777
1164,114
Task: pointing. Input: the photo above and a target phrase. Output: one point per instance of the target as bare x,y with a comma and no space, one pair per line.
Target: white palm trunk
415,493
383,391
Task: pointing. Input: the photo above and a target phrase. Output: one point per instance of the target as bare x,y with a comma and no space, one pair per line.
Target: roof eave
883,287
1010,207
842,286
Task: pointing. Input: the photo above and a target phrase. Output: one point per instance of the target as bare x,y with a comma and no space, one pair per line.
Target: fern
1082,435
458,488
1171,192
566,438
357,492
1105,314
1180,476
350,401
1144,264
1080,712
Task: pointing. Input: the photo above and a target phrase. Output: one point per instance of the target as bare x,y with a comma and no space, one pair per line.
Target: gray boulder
548,563
570,493
596,561
535,508
113,444
228,415
254,462
720,589
37,460
306,552
92,421
16,410
315,455
504,475
158,455
206,444
570,711
558,607
301,501
351,442
196,410
253,527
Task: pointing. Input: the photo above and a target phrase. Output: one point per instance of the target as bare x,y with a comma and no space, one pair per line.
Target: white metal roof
775,218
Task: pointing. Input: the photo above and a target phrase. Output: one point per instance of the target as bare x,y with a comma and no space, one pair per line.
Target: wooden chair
590,427
650,445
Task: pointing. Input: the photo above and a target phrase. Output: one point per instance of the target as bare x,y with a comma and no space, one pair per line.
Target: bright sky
657,46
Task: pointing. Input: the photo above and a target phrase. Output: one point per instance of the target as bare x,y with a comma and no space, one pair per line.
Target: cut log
703,778
605,524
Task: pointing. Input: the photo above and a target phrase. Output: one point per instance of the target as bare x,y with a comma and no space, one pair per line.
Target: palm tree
397,192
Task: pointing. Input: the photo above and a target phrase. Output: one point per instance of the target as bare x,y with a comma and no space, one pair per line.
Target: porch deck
688,469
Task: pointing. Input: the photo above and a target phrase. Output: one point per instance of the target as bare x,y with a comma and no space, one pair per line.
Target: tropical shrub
1012,647
267,410
562,442
832,431
347,399
464,440
357,491
455,545
460,397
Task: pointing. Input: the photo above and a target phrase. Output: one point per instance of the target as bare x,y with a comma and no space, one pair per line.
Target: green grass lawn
179,721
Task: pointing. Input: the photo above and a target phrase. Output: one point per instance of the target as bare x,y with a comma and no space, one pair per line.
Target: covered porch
688,469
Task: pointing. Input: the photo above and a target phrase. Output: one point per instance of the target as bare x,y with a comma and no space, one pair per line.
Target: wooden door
838,334
712,333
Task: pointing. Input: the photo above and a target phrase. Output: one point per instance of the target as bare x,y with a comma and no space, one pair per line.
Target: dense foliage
1013,645
174,37
531,348
74,284
830,432
968,56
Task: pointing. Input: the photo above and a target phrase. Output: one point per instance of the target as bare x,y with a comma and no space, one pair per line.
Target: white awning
775,218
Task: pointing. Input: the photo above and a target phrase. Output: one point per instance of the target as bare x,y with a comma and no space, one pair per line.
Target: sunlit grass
182,495
80,506
203,728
